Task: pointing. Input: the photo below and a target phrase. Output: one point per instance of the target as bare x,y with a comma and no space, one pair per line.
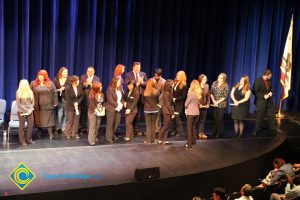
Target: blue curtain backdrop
198,36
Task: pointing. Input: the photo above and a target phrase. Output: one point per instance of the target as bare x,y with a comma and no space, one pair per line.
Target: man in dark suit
263,91
140,79
74,97
86,81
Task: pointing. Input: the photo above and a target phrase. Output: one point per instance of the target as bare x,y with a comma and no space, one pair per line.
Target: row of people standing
83,101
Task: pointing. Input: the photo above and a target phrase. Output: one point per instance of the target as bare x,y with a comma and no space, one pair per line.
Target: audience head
219,193
267,74
136,67
158,73
63,72
202,79
168,86
119,70
131,85
90,71
278,162
246,190
74,81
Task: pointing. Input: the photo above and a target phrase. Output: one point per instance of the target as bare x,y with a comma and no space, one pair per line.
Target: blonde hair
182,79
195,87
224,80
24,90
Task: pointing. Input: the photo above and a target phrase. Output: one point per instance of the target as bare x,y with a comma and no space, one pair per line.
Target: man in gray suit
140,79
160,82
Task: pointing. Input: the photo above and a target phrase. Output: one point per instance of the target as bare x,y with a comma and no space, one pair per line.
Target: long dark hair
168,86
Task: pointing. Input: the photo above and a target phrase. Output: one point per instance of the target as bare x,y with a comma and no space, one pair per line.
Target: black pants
218,122
113,120
262,108
191,129
177,125
202,119
84,111
150,126
30,121
129,126
163,134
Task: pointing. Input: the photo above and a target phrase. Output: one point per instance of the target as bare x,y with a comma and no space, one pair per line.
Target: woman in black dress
240,95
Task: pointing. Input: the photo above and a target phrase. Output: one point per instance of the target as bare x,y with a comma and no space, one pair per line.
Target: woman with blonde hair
25,104
151,101
240,95
219,94
179,94
192,104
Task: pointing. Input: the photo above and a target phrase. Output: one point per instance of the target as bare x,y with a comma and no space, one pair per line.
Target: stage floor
68,164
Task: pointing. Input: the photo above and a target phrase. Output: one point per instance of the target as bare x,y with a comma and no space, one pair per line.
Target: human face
157,77
64,73
136,68
269,77
130,87
177,77
90,72
204,80
220,79
75,84
41,78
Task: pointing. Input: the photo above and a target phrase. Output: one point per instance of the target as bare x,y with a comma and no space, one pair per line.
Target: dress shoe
76,136
24,144
97,140
68,137
167,143
179,134
92,143
187,146
139,133
126,139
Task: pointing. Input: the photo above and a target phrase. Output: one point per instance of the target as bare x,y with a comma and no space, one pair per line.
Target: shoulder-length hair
200,78
113,83
224,80
61,71
195,87
47,81
119,70
182,79
96,89
24,90
246,84
150,88
168,86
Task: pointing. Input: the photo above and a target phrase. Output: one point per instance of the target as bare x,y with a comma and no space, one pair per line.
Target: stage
67,166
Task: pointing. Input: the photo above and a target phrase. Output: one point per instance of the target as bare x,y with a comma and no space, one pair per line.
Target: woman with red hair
45,101
119,70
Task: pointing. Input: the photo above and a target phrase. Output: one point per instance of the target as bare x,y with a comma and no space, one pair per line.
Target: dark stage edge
115,164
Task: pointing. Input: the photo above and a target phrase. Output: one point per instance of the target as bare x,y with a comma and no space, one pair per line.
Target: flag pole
279,115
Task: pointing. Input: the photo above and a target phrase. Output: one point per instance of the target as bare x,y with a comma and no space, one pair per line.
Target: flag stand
279,115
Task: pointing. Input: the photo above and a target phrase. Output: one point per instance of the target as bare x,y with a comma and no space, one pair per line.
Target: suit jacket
130,76
132,100
167,103
112,99
71,98
205,99
150,103
93,102
180,95
260,89
159,86
283,171
84,78
192,104
58,86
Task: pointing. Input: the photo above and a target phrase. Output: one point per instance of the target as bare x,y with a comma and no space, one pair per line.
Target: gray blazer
192,104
